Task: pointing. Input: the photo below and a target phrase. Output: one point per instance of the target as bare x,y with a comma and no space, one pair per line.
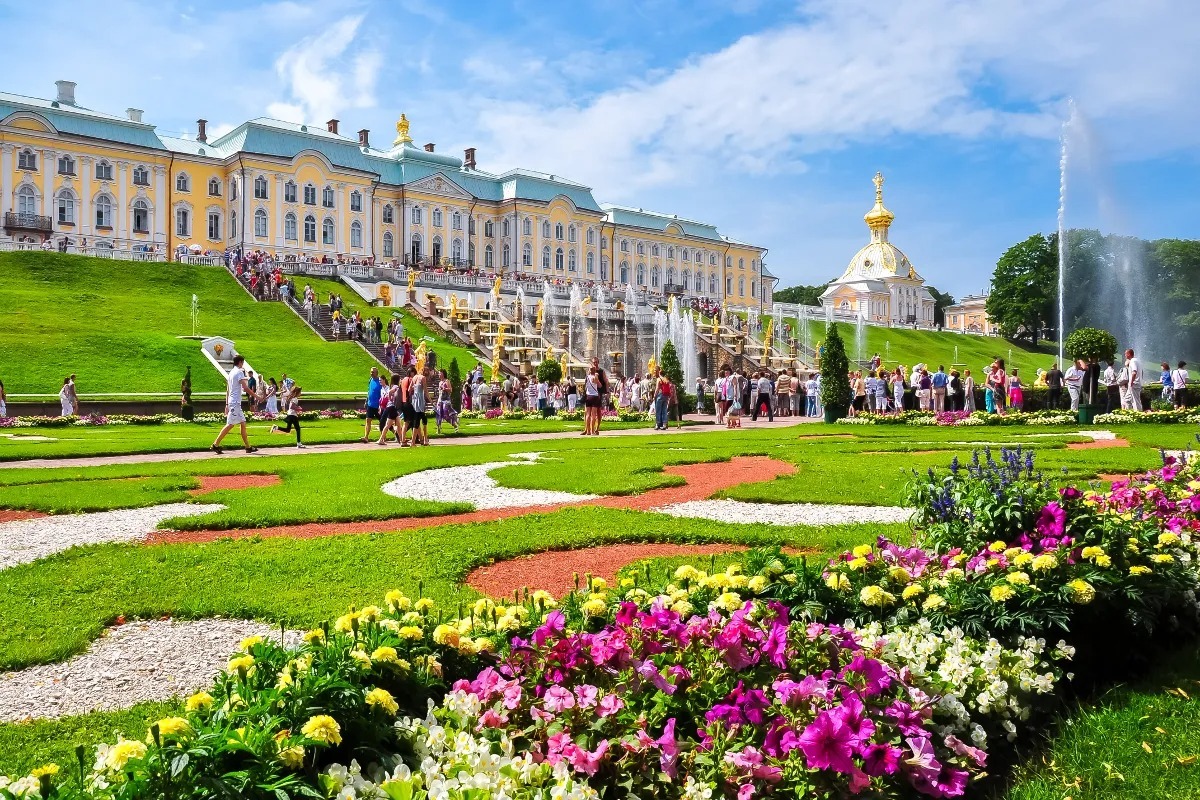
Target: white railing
95,252
191,258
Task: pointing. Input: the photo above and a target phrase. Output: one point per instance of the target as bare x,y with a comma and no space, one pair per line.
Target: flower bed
1125,416
889,671
963,418
98,420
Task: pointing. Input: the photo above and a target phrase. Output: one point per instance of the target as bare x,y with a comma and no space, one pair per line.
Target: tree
549,371
1091,344
941,301
454,375
1023,297
835,374
668,361
801,295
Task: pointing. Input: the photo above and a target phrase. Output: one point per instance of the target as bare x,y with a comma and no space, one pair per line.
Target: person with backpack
594,388
663,390
389,411
735,386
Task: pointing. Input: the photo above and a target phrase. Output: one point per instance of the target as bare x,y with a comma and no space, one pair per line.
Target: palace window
591,236
641,249
712,260
27,159
141,216
641,274
104,171
260,223
754,288
233,188
741,287
388,247
572,236
436,250
741,263
546,257
684,254
415,249
327,232
527,229
728,262
356,200
260,188
504,257
571,263
27,200
141,176
591,263
489,229
545,229
624,272
456,221
214,225
604,269
456,250
527,255
66,208
66,165
183,222
416,215
671,275
558,231
603,244
624,245
654,251
356,234
310,194
728,285
504,227
471,226
289,192
388,214
183,183
233,224
310,229
712,283
700,282
327,197
289,227
487,256
437,218
104,211
214,188
687,279
558,259
654,277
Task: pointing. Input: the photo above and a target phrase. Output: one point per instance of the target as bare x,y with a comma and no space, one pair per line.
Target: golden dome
878,217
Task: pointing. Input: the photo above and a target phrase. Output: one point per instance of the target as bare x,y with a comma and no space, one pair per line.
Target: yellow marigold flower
122,753
292,757
483,607
1162,558
862,551
239,664
47,770
403,665
423,605
384,655
1103,561
362,658
370,613
383,700
483,645
729,601
249,642
397,601
595,608
954,561
200,701
345,623
1168,539
899,575
627,583
876,596
1082,592
1132,545
464,626
687,573
1018,578
599,584
323,728
1044,562
738,581
1012,553
1092,552
857,563
544,599
173,726
285,678
445,635
733,569
314,636
912,590
998,546
1022,559
1000,593
1140,570
953,574
933,602
682,607
757,584
838,582
410,632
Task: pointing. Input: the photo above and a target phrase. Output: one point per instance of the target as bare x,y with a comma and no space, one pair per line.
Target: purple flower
826,744
1070,493
556,623
881,759
875,677
1051,520
852,715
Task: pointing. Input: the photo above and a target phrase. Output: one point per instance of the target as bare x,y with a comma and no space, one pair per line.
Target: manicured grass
1135,741
116,324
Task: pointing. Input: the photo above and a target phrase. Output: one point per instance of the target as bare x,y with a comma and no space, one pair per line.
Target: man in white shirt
233,406
1111,388
1135,380
1073,378
1179,379
810,392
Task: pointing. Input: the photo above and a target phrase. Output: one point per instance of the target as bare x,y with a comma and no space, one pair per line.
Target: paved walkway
344,447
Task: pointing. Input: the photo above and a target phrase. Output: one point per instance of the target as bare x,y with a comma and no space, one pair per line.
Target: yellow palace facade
97,181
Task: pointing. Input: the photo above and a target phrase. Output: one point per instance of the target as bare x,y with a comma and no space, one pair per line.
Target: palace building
108,182
880,284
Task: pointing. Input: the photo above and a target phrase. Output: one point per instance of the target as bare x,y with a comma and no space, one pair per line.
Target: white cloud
325,76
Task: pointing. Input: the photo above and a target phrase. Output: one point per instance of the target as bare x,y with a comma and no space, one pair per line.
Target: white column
48,168
122,212
342,217
6,169
278,209
85,198
160,205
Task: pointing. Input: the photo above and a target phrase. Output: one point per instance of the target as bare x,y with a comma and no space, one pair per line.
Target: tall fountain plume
1063,162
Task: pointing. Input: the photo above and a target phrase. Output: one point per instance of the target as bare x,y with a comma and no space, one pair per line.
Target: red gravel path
13,516
219,483
1098,444
703,480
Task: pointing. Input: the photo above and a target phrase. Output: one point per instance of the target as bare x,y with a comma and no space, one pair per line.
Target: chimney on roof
364,138
135,114
201,133
469,158
429,147
331,126
66,92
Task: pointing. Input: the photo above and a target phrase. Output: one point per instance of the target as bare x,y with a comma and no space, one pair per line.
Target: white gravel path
473,484
784,513
132,663
26,540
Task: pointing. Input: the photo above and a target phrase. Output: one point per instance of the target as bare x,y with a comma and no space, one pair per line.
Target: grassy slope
115,324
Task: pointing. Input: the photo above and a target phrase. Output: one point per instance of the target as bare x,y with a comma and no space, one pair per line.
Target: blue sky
767,119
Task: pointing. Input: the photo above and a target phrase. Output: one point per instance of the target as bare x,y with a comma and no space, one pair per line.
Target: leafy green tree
1091,344
454,375
835,374
803,295
1023,296
668,361
549,371
1178,273
941,301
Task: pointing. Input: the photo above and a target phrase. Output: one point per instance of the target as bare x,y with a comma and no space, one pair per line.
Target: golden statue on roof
402,136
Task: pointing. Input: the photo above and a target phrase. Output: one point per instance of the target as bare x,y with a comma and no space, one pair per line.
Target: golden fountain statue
540,311
651,366
591,340
562,360
585,306
453,307
496,289
402,136
412,279
422,354
767,337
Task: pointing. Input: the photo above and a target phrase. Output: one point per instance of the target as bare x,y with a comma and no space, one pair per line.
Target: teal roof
79,121
654,221
528,185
